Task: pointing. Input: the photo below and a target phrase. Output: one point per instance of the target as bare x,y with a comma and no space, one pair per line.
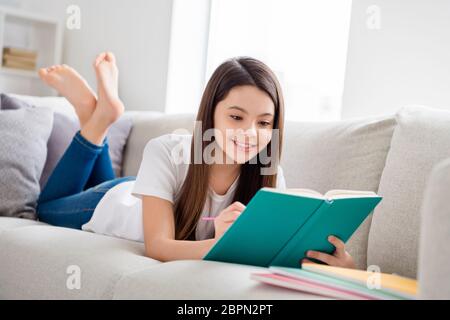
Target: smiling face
243,123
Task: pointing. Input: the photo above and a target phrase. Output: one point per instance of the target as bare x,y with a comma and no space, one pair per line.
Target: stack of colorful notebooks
340,283
17,58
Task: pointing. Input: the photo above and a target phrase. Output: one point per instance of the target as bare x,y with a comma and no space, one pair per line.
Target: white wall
406,61
188,54
137,31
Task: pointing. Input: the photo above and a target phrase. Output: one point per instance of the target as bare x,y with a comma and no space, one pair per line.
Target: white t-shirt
162,172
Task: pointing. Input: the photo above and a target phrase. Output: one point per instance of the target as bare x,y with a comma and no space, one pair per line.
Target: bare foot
109,106
70,84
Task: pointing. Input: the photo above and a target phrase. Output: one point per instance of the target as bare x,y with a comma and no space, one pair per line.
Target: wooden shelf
19,72
30,16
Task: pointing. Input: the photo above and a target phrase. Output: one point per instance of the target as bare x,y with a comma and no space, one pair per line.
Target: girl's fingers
328,259
338,243
237,206
231,216
233,213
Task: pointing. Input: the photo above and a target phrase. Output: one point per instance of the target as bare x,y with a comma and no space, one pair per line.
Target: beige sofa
392,155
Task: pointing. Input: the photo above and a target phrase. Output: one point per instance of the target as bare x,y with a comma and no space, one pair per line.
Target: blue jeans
80,180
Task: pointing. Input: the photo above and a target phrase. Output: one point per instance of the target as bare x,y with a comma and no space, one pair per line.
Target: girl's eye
265,123
237,118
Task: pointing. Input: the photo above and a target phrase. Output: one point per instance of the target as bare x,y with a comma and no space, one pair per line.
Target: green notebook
278,226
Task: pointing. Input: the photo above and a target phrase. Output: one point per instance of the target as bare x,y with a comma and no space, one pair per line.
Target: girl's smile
244,147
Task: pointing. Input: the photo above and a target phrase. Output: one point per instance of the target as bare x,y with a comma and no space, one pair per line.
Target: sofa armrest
434,248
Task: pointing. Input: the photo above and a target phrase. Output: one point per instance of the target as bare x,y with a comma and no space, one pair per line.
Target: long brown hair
232,73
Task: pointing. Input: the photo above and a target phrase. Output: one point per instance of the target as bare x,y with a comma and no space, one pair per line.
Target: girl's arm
159,234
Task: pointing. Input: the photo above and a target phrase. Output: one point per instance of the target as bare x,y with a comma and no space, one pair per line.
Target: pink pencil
208,218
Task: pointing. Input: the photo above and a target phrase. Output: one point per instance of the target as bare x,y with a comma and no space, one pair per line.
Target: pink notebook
309,286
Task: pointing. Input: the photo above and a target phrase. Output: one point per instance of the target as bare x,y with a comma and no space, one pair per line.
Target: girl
183,178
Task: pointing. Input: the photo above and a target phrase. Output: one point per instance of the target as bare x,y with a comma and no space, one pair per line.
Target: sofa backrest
149,125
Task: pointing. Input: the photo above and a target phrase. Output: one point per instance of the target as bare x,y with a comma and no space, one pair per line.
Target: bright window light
303,41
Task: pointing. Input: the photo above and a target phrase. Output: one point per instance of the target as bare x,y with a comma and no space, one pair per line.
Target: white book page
332,194
342,194
301,192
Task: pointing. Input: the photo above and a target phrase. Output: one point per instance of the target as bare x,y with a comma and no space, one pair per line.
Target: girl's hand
340,257
226,218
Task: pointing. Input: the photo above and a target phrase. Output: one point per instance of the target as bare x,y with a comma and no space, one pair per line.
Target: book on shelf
340,283
18,65
25,60
20,52
17,58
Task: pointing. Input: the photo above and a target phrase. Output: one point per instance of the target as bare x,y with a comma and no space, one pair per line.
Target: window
303,41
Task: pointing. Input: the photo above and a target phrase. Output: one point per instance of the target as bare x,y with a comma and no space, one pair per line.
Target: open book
278,227
329,195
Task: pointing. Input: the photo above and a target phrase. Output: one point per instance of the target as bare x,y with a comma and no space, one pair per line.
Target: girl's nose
251,131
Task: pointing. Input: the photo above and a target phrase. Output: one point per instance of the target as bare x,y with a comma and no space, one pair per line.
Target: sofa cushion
420,141
434,251
64,129
57,104
44,262
24,135
7,223
65,125
149,125
196,279
347,154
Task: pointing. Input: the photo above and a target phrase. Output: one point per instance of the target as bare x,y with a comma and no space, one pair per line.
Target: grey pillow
65,127
421,140
23,149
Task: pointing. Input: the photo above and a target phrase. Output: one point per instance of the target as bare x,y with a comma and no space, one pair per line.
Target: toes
49,75
110,57
105,56
69,69
55,69
43,72
99,59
